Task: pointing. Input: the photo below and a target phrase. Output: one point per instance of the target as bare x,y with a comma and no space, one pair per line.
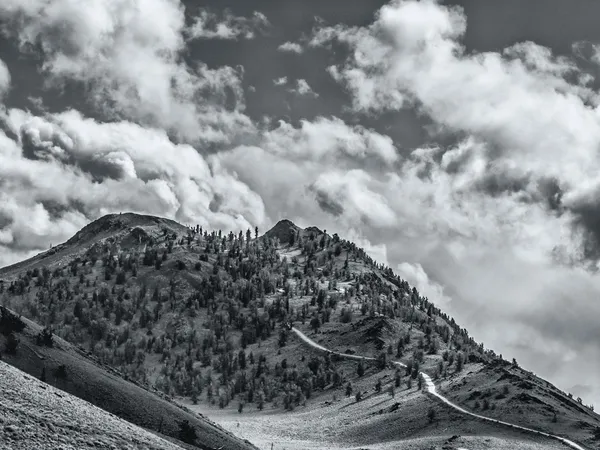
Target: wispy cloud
210,25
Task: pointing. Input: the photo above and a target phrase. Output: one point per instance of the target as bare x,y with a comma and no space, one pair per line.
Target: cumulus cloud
209,25
303,88
290,47
282,81
512,209
78,169
128,55
417,277
505,221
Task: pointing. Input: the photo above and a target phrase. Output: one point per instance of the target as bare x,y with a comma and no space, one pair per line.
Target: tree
358,397
61,372
315,323
360,370
431,415
348,389
187,433
11,344
45,338
121,278
459,362
398,378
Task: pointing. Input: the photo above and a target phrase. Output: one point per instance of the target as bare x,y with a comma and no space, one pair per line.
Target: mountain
204,318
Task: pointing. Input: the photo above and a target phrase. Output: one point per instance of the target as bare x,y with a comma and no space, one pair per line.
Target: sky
457,142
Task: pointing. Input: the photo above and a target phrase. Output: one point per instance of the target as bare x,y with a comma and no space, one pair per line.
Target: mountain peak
283,230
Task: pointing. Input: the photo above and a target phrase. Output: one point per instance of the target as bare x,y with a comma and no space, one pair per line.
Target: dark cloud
326,203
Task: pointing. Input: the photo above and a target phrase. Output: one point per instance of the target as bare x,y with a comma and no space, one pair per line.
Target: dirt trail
431,390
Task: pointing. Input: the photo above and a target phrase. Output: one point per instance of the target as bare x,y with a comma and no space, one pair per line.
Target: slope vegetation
35,415
204,317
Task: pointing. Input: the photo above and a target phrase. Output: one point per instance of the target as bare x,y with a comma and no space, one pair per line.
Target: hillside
204,318
73,371
36,415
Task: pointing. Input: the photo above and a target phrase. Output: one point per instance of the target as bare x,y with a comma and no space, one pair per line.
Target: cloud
282,81
209,25
417,277
128,56
4,79
506,220
78,169
303,88
290,47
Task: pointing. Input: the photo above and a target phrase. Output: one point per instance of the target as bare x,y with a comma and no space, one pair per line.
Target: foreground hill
35,415
204,317
69,369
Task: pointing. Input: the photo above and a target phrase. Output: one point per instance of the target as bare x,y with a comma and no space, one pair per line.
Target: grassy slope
104,388
35,415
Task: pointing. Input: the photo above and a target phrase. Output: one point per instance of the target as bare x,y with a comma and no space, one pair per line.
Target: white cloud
4,79
209,25
128,55
303,88
79,169
282,81
290,47
503,221
417,277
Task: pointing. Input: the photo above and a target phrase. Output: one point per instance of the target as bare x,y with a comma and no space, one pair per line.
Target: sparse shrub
187,433
431,415
9,322
360,370
348,389
11,344
45,338
346,315
61,372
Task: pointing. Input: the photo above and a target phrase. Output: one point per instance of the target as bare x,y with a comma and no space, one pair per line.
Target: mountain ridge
218,296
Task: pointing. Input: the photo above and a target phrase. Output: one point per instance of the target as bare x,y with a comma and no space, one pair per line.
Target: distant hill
202,316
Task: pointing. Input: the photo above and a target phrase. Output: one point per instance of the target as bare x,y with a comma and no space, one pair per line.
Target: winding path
431,390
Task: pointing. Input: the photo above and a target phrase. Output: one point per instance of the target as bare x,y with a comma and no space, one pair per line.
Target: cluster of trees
179,310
